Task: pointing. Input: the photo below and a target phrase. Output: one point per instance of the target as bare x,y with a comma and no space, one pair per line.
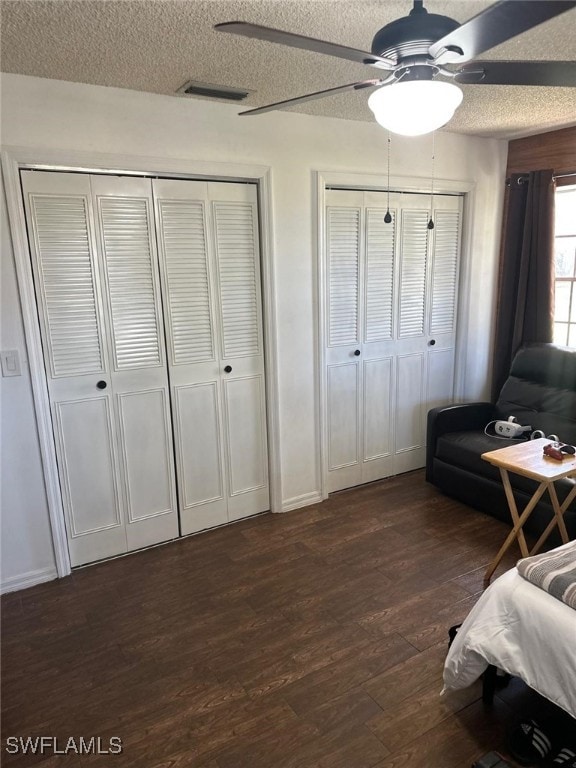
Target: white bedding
523,630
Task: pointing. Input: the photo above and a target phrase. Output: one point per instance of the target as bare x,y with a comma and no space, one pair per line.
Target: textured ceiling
157,45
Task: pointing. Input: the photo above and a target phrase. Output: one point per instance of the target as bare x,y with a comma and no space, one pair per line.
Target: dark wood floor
314,638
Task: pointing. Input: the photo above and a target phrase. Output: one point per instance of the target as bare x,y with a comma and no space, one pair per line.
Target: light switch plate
10,362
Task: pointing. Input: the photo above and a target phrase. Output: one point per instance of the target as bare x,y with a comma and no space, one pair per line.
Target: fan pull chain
430,221
388,216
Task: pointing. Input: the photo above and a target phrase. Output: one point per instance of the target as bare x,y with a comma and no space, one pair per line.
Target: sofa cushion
541,391
464,449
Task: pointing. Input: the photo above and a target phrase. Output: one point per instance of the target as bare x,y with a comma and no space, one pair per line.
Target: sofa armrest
454,418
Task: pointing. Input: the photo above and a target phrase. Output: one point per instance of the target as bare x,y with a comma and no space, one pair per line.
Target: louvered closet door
209,254
61,235
428,266
128,262
91,261
345,244
391,315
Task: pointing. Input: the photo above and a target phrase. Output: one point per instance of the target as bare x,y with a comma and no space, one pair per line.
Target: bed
523,630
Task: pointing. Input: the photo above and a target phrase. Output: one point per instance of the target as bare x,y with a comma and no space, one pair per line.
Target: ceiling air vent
211,91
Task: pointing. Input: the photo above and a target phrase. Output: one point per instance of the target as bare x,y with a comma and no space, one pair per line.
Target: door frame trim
15,159
373,183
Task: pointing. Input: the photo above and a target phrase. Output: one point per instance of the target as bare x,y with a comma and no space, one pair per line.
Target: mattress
523,630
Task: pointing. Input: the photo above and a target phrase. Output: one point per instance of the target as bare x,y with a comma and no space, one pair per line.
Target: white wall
58,115
26,543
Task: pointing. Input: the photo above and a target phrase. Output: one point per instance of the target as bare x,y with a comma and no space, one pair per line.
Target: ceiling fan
415,50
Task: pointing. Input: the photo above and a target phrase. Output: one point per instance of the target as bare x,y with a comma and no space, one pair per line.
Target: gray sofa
541,392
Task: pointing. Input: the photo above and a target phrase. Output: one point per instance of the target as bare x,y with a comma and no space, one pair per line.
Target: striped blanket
553,571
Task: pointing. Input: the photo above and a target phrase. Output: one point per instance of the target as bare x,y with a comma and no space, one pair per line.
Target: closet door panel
234,217
445,263
65,270
238,272
183,235
413,260
410,407
146,443
129,268
343,425
378,419
378,408
87,464
379,287
245,433
245,430
440,377
200,456
58,213
345,238
343,273
129,273
379,299
187,274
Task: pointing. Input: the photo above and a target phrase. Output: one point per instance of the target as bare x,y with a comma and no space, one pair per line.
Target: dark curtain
525,308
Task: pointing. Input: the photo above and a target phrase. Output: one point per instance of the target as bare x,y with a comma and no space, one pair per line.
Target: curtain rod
524,179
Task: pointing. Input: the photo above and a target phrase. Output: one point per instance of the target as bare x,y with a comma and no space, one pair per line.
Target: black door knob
101,385
432,342
356,352
228,369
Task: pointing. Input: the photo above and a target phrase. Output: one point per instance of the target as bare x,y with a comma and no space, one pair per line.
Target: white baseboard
24,580
304,500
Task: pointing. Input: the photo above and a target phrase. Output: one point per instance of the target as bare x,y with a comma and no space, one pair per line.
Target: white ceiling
157,45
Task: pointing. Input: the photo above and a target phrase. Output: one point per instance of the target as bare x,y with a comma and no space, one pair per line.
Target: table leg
516,532
559,512
514,511
557,519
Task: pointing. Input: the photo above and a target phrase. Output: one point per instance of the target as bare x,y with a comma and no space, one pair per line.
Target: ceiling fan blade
312,96
550,73
498,23
245,29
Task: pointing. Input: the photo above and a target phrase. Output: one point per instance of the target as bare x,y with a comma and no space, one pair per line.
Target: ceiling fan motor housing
411,36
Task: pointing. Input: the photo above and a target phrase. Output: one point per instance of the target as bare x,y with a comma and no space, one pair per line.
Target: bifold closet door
95,271
391,298
209,257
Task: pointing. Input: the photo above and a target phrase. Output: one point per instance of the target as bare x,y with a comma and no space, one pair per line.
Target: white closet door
391,314
378,293
361,364
94,272
345,243
414,239
184,240
124,214
443,302
237,252
208,240
61,235
427,313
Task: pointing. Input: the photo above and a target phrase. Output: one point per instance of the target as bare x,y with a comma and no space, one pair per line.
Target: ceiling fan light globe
415,107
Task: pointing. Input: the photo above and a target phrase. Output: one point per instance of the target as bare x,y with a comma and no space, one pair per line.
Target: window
565,267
